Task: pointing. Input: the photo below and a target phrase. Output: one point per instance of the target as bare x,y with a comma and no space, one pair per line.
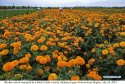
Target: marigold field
73,44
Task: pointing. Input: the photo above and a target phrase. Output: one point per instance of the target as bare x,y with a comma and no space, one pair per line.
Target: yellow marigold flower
43,60
24,60
8,66
122,33
75,78
88,66
43,38
104,52
96,24
22,67
52,76
43,48
80,60
61,44
61,63
122,44
4,52
34,47
120,62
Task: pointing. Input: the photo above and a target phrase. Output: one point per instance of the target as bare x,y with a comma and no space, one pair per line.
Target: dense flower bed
62,45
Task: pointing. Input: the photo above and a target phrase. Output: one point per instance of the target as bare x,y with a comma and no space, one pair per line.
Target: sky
63,3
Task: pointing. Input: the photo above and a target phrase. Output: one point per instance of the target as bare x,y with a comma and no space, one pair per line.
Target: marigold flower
41,40
24,60
71,62
97,77
122,44
122,33
22,67
43,48
120,62
4,52
8,66
61,63
49,43
104,52
48,58
88,66
43,60
52,76
16,62
75,78
28,55
29,68
115,45
2,46
34,47
38,58
91,61
79,60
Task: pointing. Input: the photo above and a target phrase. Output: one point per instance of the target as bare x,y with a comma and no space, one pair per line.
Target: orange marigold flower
16,62
80,60
52,76
71,62
38,58
55,55
104,52
48,58
8,66
41,40
28,55
122,44
91,61
43,60
29,68
120,62
2,46
24,60
61,63
4,52
115,45
43,48
75,78
22,67
49,43
97,77
34,47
